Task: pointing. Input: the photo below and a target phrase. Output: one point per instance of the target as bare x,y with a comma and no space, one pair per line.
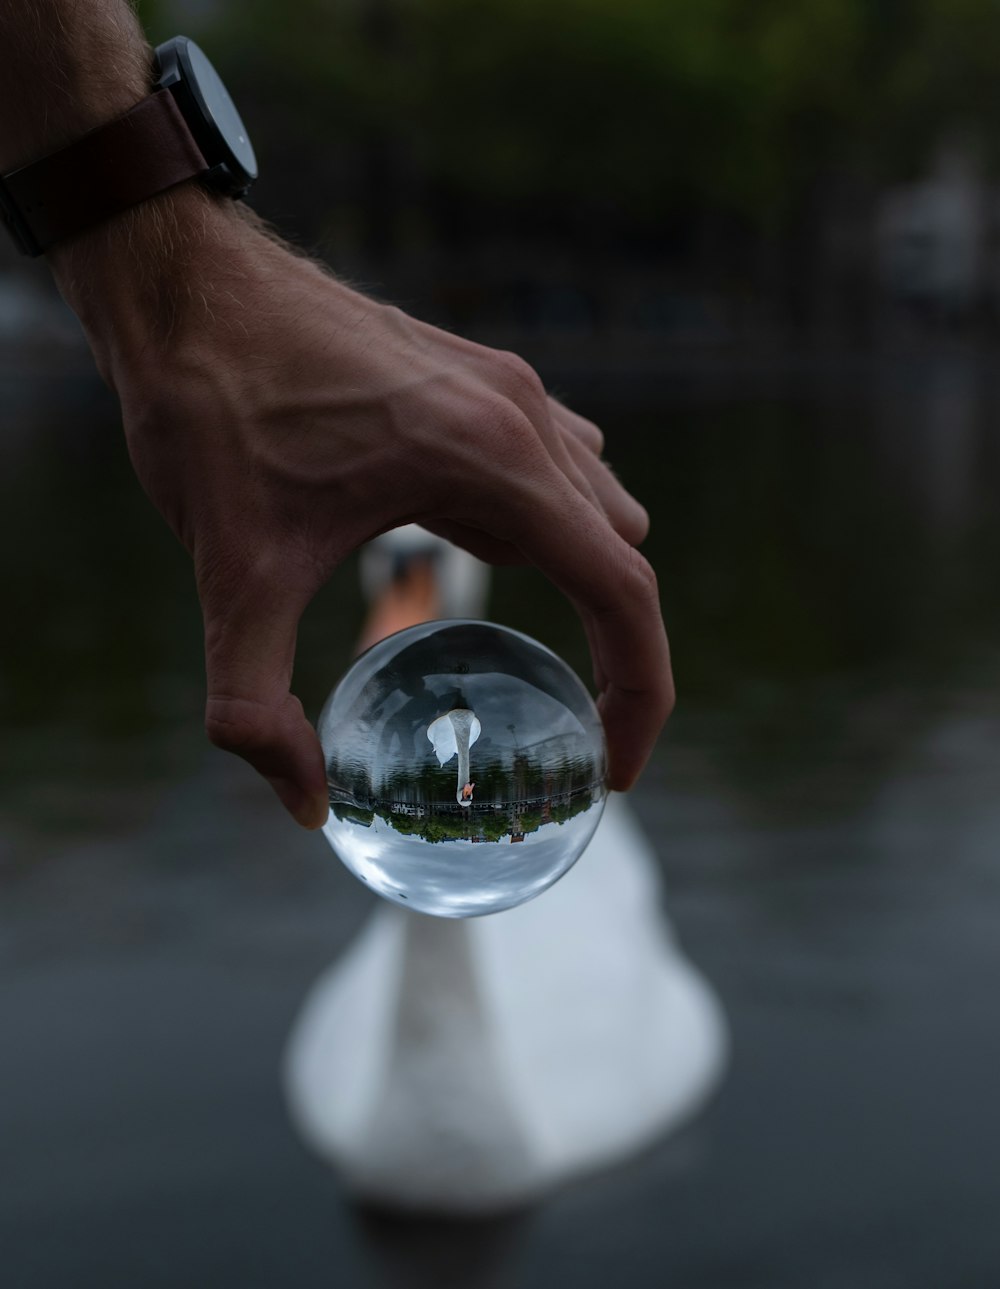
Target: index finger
615,592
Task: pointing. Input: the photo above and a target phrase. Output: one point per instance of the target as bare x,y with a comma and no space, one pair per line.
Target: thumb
249,654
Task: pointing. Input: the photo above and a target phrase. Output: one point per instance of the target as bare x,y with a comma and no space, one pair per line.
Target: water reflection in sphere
466,764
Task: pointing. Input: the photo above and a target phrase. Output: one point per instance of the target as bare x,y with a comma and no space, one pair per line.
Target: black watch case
182,69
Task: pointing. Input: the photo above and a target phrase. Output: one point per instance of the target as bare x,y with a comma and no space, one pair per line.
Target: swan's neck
461,722
462,738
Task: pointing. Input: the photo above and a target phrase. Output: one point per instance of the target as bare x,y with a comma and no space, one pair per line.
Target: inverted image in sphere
465,765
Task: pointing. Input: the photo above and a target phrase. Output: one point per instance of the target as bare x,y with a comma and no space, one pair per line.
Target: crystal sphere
465,763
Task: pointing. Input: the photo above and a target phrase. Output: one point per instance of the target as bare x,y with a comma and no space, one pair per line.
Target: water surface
825,806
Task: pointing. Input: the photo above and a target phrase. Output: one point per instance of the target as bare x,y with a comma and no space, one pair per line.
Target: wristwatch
188,127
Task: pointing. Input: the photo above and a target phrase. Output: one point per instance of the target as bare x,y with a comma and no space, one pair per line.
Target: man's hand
279,419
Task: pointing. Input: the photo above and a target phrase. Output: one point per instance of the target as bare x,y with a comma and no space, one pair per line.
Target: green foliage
647,106
642,104
438,823
353,814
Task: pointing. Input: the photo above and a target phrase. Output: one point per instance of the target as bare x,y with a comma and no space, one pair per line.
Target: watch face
220,109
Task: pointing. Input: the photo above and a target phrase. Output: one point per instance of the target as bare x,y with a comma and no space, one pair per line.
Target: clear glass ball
466,767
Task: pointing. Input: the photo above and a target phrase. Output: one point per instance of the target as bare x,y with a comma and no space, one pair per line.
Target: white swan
455,732
467,1066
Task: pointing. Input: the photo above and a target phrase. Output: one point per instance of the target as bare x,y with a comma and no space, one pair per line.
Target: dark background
758,246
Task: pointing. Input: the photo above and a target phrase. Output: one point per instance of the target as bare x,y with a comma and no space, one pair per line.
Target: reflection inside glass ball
465,764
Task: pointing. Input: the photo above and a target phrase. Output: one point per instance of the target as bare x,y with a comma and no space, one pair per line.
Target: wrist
129,279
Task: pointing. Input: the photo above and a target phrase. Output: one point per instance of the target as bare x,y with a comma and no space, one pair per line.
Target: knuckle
520,378
641,578
231,724
239,725
589,433
638,526
510,431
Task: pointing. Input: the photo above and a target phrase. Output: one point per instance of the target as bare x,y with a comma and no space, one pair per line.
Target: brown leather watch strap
113,167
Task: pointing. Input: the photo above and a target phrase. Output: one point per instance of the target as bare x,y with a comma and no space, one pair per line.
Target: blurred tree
568,115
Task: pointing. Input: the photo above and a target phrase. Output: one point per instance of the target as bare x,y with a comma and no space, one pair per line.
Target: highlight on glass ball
466,766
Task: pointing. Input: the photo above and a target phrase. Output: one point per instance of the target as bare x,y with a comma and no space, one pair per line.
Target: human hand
279,419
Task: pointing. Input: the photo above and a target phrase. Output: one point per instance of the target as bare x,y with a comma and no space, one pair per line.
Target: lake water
826,806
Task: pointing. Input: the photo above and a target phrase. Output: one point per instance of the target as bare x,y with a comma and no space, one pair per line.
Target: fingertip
621,778
307,809
631,726
641,524
314,817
